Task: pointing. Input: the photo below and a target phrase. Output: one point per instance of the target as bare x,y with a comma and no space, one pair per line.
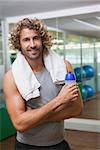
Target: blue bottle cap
70,76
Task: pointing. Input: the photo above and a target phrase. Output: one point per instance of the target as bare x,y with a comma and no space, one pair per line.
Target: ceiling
87,23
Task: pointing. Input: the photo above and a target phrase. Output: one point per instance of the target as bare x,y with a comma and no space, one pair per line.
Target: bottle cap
70,76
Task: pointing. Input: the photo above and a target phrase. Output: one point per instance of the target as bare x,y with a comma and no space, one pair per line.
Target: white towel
56,66
25,79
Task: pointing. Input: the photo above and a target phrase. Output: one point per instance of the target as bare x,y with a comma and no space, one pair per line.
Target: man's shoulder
8,75
8,78
8,83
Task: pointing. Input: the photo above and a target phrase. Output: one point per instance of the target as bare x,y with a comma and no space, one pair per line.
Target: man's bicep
14,102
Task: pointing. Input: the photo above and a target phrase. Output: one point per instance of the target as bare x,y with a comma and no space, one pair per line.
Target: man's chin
34,57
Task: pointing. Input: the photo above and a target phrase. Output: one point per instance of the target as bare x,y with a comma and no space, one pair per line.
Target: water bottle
70,78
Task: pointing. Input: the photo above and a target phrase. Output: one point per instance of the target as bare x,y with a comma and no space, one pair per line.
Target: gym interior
75,26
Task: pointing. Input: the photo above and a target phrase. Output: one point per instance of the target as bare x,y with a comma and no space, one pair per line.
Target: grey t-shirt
48,133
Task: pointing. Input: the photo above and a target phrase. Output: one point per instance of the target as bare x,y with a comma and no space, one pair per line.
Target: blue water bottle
70,78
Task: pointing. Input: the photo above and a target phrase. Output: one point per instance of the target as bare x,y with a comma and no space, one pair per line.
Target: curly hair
35,24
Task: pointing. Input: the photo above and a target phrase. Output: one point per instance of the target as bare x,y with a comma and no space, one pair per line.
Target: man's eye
36,38
26,39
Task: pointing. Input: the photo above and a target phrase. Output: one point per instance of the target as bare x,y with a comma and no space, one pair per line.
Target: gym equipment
83,74
6,127
79,73
84,93
89,71
90,90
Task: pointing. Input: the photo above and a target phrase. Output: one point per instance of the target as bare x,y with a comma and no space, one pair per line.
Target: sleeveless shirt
47,133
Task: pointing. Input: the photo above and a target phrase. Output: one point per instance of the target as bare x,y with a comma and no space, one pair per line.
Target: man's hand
68,93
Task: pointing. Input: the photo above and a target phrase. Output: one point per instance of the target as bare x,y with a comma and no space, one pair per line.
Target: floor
78,140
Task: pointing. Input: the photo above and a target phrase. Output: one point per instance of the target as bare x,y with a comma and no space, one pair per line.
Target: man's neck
36,65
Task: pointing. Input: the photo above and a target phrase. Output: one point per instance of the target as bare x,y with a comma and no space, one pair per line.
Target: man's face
31,44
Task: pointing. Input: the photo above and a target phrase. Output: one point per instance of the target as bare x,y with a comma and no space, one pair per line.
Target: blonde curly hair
35,24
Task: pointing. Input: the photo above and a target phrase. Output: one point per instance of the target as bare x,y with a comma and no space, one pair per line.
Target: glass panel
88,63
12,53
98,64
1,58
0,44
58,43
11,25
72,49
2,99
0,30
0,36
1,47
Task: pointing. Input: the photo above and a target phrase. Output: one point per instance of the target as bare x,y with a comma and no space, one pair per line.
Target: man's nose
32,44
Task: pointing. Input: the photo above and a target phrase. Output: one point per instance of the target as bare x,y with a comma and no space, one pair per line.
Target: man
39,121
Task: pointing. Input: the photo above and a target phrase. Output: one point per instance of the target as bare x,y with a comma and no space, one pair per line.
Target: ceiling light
88,24
98,17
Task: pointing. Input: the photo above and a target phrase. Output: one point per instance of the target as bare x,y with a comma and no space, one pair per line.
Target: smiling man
39,120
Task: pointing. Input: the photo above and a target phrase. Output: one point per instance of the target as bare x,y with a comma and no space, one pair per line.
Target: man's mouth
33,50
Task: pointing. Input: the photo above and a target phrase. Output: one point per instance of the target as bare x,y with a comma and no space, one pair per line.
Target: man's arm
23,118
73,109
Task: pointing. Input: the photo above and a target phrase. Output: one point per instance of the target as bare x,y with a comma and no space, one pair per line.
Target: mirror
76,41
